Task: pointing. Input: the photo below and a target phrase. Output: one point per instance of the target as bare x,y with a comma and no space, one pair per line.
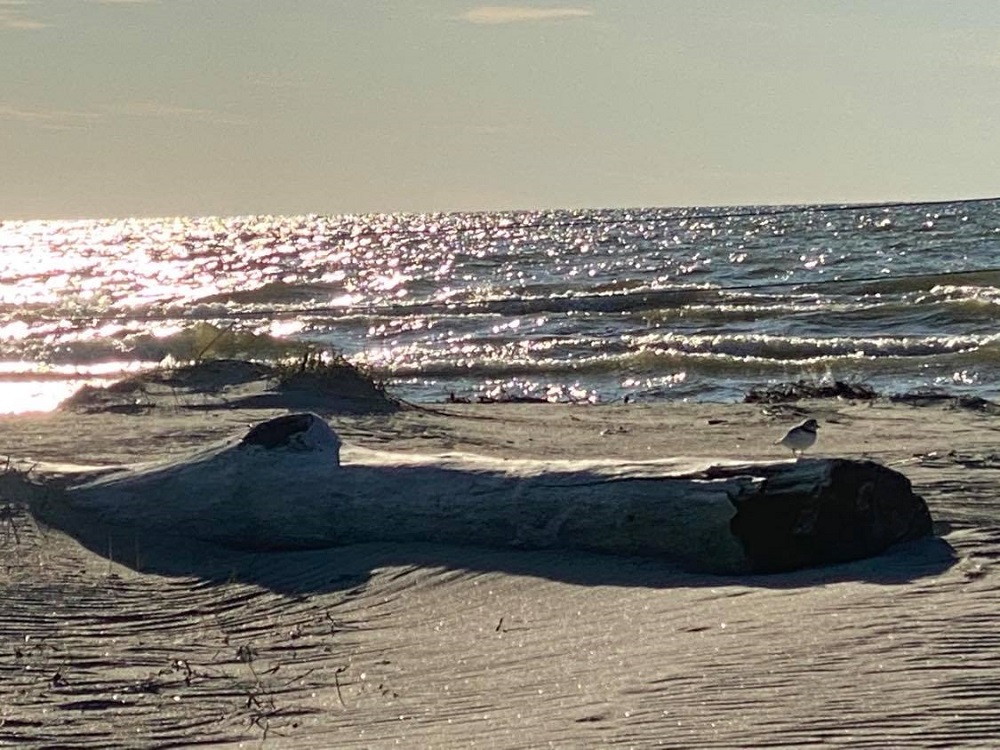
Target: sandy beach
430,646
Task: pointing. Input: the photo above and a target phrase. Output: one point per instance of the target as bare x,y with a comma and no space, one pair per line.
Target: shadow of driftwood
342,568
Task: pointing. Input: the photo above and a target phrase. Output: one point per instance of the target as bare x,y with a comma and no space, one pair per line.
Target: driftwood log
284,487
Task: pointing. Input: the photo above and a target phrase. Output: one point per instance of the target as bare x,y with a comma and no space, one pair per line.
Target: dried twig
336,682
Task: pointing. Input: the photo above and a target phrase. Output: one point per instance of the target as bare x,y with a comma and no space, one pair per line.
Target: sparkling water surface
568,305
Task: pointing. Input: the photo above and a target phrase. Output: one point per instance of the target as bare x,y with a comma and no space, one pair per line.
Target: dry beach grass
178,643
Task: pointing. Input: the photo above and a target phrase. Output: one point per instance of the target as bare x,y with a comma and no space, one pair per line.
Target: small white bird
800,437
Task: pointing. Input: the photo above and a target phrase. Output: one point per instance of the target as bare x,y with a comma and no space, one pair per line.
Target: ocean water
653,304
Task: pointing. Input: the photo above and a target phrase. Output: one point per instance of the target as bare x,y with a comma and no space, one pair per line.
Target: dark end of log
862,510
278,432
301,432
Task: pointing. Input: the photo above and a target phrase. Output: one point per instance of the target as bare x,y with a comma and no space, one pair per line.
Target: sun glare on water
74,292
20,397
81,300
26,388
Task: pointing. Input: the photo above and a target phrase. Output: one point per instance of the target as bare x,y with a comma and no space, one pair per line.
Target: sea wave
790,348
599,296
721,354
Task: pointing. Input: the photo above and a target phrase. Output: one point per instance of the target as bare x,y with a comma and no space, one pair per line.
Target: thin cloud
274,81
501,14
154,109
64,119
492,129
48,119
13,18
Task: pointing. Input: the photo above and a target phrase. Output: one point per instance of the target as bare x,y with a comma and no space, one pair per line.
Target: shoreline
439,646
31,393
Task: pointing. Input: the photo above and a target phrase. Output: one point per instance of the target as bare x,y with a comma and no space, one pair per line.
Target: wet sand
178,643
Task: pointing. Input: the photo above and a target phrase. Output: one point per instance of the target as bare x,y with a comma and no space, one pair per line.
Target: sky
114,108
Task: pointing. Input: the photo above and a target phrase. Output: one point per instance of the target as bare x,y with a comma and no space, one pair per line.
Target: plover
800,437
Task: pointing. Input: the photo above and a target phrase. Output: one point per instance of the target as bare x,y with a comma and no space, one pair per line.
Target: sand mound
330,388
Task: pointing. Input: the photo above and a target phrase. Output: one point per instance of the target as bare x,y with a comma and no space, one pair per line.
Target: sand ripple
425,646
